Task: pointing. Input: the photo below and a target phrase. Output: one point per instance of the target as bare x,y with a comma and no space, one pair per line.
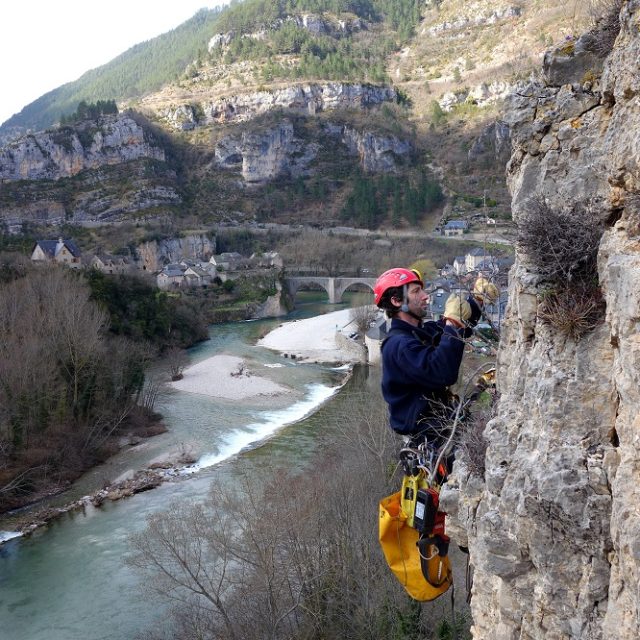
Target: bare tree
177,360
65,385
294,555
363,313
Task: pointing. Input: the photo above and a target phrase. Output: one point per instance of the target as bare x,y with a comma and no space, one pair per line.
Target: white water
5,536
271,422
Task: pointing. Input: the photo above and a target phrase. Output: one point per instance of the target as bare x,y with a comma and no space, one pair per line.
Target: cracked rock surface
553,526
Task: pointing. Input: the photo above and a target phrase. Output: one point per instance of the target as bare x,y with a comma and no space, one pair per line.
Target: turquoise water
68,581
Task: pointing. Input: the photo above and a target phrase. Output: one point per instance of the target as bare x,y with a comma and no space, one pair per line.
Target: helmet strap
405,300
405,304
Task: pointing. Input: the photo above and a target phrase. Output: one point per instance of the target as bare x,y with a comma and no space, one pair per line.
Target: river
68,581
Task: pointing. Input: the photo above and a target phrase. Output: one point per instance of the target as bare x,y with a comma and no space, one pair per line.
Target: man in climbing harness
421,360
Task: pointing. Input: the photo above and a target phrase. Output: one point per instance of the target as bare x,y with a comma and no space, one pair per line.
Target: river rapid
68,581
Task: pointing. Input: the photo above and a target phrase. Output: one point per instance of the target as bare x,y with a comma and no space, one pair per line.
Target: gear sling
411,533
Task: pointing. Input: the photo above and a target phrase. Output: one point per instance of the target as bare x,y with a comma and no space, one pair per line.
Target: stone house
460,265
198,276
108,263
171,276
187,273
59,251
477,257
230,261
455,228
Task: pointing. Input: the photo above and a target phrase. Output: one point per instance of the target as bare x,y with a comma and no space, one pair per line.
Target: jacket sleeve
432,366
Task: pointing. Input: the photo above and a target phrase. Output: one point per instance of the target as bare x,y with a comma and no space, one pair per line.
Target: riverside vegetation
73,354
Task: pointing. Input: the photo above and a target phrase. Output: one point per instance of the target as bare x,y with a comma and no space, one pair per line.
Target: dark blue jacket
418,366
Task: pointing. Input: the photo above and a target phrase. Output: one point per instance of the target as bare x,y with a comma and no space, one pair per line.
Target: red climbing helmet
396,277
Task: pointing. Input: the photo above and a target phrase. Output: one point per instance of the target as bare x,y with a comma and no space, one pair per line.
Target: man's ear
396,302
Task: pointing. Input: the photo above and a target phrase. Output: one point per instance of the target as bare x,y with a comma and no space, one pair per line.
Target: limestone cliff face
303,98
95,172
277,151
377,153
318,24
153,255
553,529
66,151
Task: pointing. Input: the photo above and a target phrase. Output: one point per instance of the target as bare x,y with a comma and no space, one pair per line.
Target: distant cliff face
301,98
96,171
265,155
67,151
553,529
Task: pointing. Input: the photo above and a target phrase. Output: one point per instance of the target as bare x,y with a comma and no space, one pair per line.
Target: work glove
485,291
457,310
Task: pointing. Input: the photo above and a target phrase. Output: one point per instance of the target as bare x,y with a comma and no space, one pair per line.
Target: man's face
418,299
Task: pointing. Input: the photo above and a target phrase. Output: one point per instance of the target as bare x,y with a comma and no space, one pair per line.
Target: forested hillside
367,113
150,65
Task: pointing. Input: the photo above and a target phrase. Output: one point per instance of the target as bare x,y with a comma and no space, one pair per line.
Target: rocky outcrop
273,153
495,140
318,24
553,529
95,172
265,155
67,151
278,304
575,61
153,255
377,153
476,20
481,95
303,98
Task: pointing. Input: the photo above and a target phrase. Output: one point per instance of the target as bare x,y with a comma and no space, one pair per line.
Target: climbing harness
411,525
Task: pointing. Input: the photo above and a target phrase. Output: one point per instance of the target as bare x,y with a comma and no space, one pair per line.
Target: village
193,273
187,273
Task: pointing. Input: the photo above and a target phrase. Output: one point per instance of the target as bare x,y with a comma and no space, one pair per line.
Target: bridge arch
294,284
335,287
343,284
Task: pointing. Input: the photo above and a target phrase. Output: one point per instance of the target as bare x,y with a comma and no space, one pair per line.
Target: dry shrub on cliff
573,312
561,245
605,16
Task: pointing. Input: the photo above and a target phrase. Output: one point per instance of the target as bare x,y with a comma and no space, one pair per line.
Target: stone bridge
334,287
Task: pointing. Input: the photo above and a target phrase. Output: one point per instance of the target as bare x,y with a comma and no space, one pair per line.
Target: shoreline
315,340
223,376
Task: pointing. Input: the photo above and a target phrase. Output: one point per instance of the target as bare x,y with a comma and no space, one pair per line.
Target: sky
46,43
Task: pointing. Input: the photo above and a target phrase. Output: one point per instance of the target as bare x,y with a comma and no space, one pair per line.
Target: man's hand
457,310
485,291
